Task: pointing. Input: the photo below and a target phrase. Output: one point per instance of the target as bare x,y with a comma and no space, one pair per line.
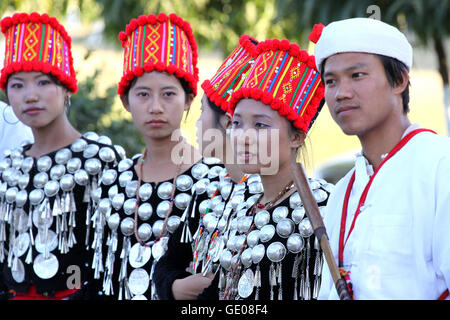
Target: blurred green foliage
88,108
218,24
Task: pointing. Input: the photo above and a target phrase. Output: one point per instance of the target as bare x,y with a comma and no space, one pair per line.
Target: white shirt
14,133
400,245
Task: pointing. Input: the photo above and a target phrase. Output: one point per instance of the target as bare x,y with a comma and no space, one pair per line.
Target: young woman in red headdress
153,190
270,251
197,254
47,188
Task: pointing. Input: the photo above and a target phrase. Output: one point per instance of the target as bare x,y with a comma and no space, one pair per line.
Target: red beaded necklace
286,189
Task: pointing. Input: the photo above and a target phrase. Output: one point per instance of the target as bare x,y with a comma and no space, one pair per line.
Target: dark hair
218,112
395,70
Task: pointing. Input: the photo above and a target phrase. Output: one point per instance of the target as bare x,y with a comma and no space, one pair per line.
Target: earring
13,116
67,102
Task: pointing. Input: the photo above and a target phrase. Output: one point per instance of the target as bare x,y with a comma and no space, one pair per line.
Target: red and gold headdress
286,78
161,43
232,73
38,43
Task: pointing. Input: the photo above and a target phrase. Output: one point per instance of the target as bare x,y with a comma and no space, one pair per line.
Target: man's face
357,92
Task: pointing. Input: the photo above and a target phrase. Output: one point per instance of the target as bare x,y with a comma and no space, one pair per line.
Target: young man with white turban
388,219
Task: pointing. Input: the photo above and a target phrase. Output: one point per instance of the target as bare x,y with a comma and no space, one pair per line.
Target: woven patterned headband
285,78
161,43
38,43
231,74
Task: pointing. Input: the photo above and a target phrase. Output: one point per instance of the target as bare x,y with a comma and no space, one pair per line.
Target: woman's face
261,138
35,98
156,102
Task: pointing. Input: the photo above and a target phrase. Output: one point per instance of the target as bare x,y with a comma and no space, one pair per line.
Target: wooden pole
313,213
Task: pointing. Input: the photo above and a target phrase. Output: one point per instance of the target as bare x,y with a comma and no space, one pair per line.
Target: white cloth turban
363,35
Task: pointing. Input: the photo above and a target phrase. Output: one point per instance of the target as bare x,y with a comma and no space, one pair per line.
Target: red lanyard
362,200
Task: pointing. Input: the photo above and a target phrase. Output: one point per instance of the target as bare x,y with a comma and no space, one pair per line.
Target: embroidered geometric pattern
162,42
231,74
37,42
284,77
152,46
30,42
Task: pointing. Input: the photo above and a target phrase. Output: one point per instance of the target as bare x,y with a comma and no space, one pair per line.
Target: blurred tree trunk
443,71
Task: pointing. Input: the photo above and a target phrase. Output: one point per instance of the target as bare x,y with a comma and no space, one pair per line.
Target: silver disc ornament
145,191
36,196
258,253
24,179
63,155
246,257
225,259
114,221
51,188
246,284
184,182
56,172
163,208
109,176
21,198
22,244
131,188
93,166
79,145
107,154
40,180
117,201
125,177
298,214
253,238
182,200
276,251
73,165
138,281
129,206
44,163
139,255
145,211
90,151
285,227
91,135
124,165
266,233
295,243
172,223
81,177
164,190
43,241
45,268
199,171
157,228
305,228
27,164
279,213
19,273
295,200
127,226
262,218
